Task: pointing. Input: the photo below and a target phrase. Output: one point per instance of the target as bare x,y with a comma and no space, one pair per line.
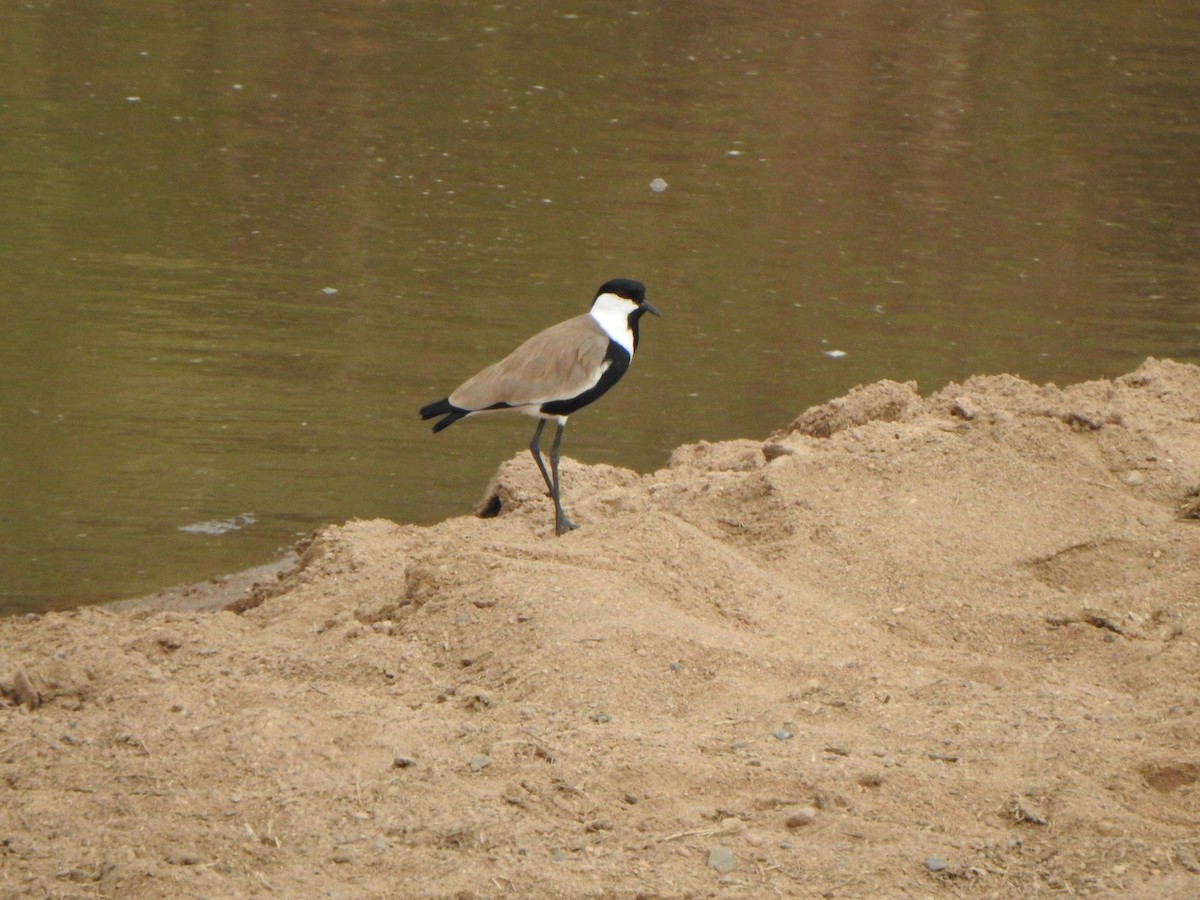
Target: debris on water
835,354
329,291
220,526
658,185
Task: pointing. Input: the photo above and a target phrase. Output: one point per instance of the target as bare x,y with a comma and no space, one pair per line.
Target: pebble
404,762
798,818
782,734
935,864
480,762
961,408
721,859
943,757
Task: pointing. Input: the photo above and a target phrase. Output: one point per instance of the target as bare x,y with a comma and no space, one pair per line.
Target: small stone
782,734
799,818
732,825
1134,479
480,762
404,762
721,859
935,864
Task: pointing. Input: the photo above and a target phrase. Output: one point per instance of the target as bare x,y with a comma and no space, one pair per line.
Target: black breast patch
618,359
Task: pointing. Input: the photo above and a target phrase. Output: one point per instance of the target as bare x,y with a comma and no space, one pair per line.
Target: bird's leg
561,523
537,456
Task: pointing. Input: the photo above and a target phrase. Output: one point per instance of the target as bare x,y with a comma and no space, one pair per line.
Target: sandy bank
941,645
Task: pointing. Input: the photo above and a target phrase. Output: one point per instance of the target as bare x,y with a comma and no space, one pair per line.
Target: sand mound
935,646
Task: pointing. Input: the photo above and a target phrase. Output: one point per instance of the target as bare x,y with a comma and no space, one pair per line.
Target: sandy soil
908,646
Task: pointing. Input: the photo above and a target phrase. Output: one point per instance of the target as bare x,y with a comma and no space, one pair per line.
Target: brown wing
556,364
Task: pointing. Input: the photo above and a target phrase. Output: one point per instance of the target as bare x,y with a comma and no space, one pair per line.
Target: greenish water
241,243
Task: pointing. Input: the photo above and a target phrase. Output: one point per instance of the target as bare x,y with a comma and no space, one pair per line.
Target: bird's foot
562,525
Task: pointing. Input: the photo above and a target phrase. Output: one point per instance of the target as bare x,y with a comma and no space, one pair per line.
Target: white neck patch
612,314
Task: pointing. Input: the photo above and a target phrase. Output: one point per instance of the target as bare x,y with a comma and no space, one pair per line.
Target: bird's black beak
646,307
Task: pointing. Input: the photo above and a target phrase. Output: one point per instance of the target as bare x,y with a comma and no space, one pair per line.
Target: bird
555,373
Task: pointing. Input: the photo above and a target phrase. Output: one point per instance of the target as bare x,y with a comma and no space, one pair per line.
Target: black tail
442,408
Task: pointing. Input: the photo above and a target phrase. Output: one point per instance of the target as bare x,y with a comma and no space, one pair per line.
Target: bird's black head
624,287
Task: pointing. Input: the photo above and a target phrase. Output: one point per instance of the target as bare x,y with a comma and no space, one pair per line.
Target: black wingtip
436,408
444,408
449,420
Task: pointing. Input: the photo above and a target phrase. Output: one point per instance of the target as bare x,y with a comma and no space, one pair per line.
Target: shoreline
209,595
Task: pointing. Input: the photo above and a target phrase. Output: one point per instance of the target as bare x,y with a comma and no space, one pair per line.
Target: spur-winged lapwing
555,373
